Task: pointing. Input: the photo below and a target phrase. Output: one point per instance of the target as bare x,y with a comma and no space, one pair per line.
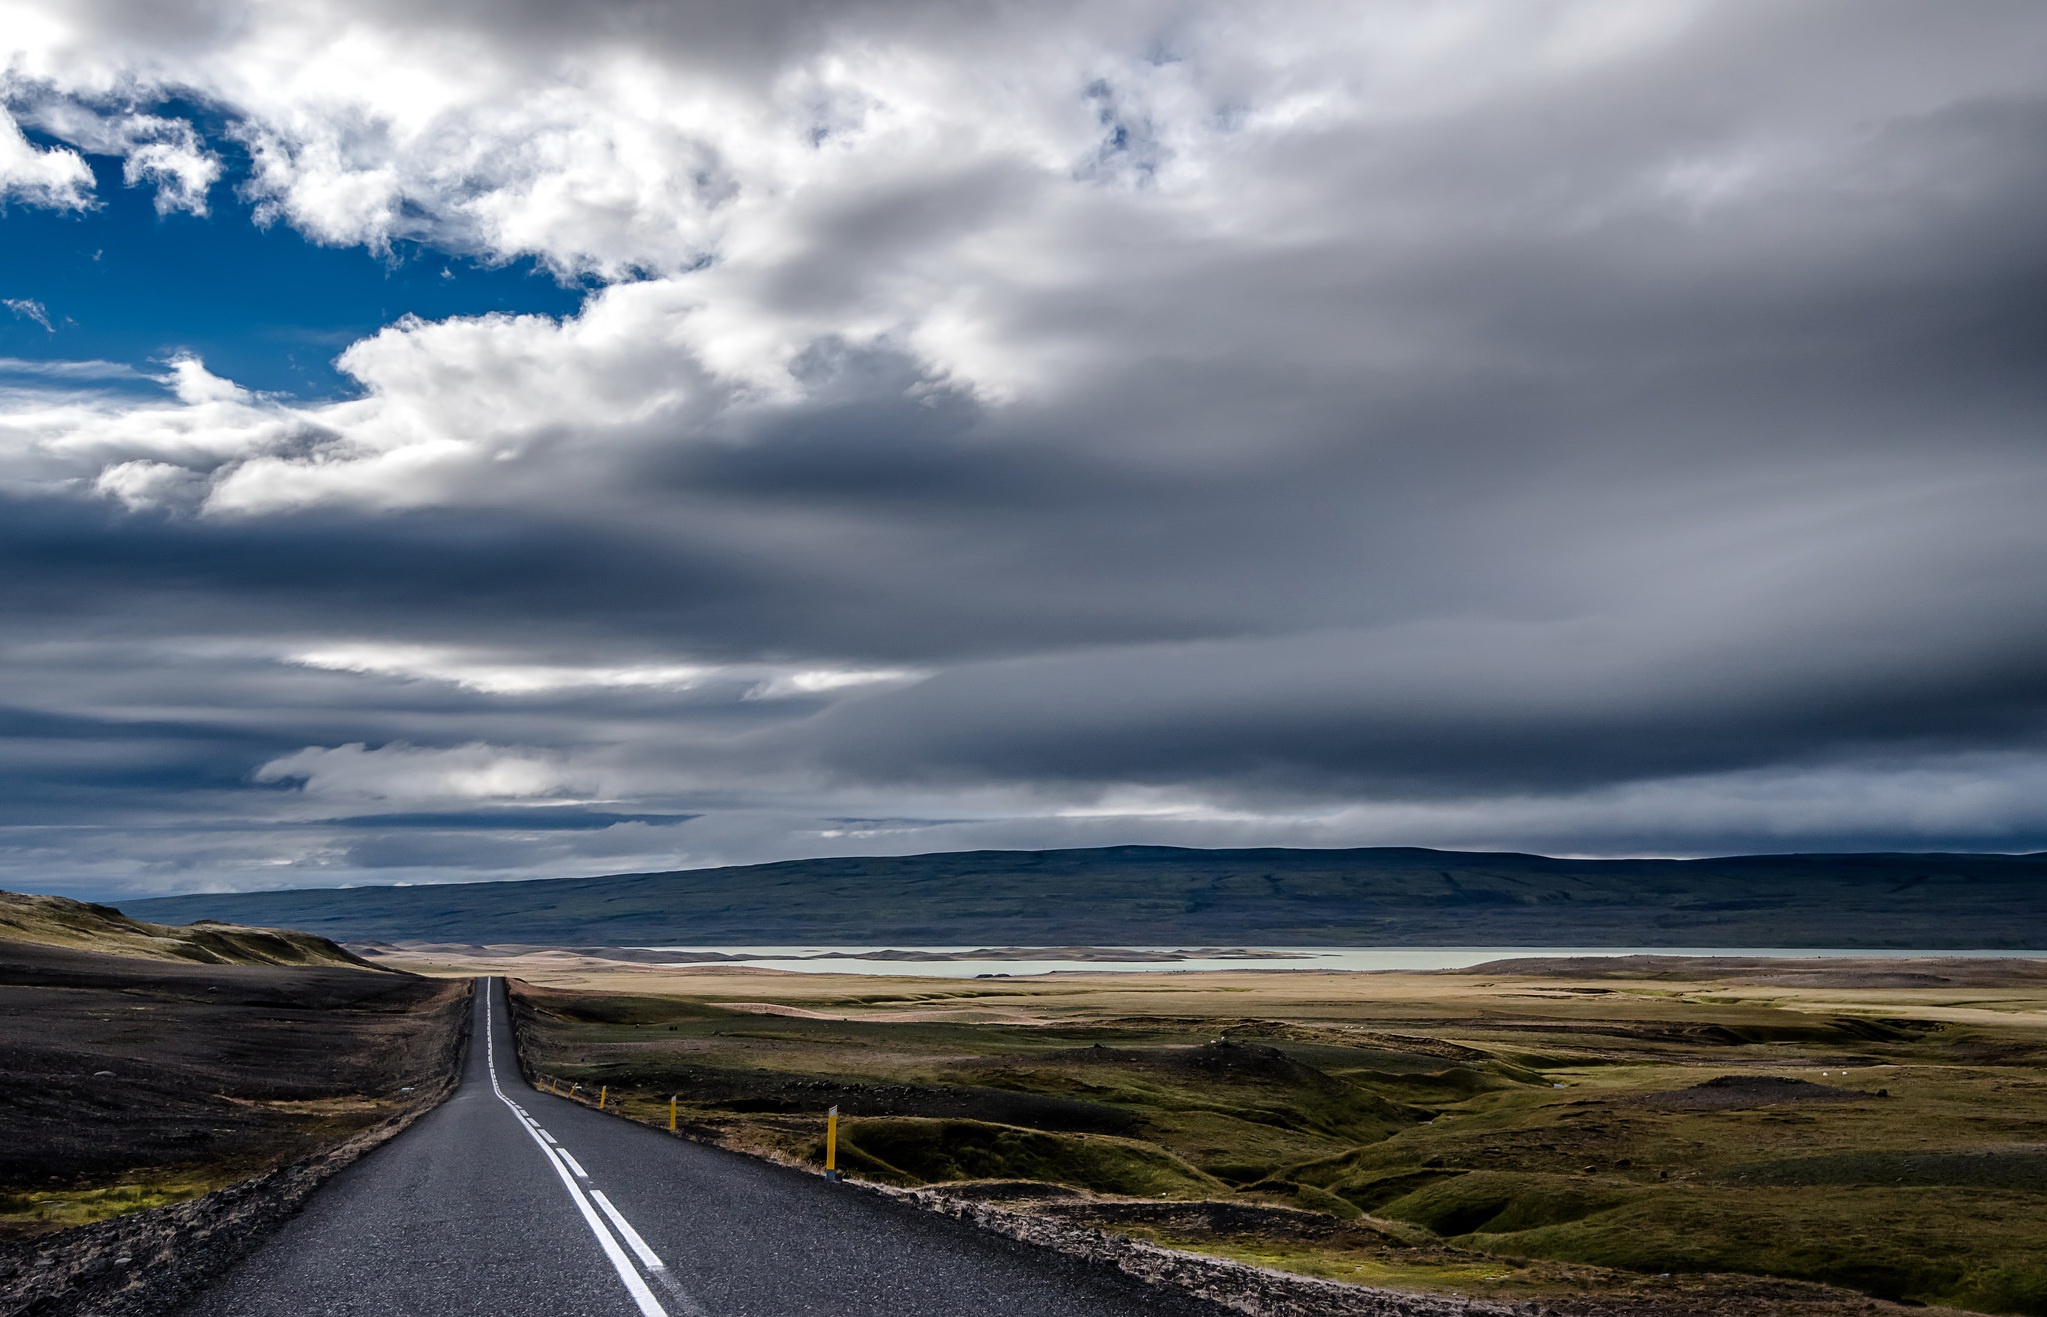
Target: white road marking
626,1231
574,1165
644,1297
649,1305
648,1258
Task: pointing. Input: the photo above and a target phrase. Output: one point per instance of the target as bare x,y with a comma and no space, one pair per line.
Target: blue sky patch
264,307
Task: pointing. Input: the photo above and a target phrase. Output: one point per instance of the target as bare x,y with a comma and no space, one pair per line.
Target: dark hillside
131,1081
56,921
1170,896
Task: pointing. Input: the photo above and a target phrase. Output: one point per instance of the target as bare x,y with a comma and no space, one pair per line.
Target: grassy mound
1926,1245
1495,1202
58,921
918,1151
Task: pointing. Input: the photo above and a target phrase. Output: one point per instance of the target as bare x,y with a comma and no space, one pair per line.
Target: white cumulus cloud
417,775
166,153
40,176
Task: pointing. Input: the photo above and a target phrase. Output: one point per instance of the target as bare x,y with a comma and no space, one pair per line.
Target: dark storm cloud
1450,712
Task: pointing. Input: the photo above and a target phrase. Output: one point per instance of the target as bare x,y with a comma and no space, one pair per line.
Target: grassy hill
1171,896
54,921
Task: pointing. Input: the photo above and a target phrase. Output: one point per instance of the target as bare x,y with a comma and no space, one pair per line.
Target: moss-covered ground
1534,1132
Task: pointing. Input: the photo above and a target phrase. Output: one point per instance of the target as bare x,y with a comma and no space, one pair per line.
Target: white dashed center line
563,1163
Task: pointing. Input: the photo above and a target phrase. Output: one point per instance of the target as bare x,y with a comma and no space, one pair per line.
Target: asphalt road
507,1201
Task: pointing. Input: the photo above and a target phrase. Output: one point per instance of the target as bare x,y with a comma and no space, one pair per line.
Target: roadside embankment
158,1116
147,1262
1240,1287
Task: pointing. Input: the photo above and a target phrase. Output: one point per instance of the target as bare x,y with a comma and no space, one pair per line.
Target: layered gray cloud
1590,427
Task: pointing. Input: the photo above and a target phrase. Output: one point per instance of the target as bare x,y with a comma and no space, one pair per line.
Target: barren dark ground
129,1083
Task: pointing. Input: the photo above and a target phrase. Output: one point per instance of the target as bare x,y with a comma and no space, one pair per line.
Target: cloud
64,370
40,176
496,675
1587,426
164,152
421,775
27,308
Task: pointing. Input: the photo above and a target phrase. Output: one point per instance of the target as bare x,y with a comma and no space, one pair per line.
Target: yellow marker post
602,1094
831,1144
671,1115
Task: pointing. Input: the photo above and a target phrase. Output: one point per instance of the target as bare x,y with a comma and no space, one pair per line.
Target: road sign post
831,1145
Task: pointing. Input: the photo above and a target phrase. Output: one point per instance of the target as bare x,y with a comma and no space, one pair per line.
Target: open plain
1646,1134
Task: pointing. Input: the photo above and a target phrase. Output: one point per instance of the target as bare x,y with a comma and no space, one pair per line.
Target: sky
461,441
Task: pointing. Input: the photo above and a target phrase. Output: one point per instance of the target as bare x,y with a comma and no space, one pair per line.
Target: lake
964,963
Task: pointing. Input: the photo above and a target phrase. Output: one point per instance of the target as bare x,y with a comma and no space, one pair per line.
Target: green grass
60,1209
1973,1250
911,1150
1510,1147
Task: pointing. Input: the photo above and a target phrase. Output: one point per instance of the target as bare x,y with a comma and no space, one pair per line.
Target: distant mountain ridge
1161,895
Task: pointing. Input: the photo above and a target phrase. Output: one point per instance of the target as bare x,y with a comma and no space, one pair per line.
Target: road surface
507,1201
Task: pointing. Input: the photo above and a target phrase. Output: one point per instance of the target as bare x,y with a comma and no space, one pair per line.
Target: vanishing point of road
507,1201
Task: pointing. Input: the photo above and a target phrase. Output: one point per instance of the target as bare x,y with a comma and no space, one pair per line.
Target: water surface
961,962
